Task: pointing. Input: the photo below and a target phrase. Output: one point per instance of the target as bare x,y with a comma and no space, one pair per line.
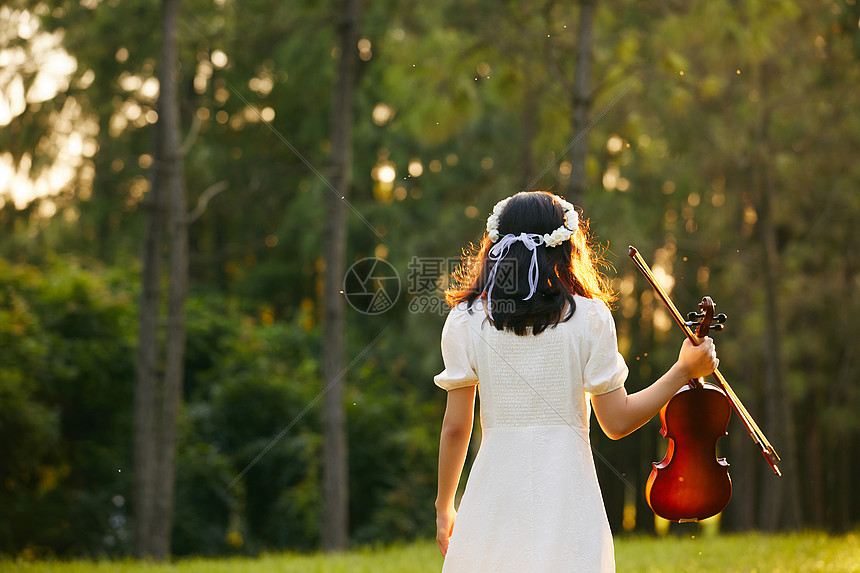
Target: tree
335,534
582,95
157,402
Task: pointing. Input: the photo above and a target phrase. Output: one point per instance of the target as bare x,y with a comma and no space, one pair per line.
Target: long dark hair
563,271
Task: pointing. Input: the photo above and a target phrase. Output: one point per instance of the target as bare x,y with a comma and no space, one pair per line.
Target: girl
530,321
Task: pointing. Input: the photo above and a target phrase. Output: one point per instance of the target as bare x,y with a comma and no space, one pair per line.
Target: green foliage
66,357
393,447
203,504
248,465
261,411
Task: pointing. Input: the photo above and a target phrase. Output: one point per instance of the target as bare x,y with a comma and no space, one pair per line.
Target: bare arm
619,414
453,446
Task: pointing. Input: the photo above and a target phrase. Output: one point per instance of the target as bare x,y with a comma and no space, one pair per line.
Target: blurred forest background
722,142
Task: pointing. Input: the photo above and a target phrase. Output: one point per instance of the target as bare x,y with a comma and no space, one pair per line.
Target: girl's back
534,380
534,471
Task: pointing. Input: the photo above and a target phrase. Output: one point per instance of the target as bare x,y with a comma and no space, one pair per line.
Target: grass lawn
748,553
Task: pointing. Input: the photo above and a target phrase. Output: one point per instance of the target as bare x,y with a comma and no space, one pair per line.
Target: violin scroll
694,319
705,317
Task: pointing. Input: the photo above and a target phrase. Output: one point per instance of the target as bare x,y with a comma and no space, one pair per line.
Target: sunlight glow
262,85
750,215
386,173
564,169
219,59
129,82
149,89
614,144
628,522
41,63
662,320
364,51
610,178
202,75
267,113
666,280
46,64
702,277
71,143
415,168
382,114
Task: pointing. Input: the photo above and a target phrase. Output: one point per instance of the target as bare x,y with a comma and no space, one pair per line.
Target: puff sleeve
458,354
605,369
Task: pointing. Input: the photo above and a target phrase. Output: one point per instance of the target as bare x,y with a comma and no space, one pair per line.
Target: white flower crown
557,237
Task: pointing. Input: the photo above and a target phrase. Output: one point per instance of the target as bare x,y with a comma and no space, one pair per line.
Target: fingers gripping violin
691,483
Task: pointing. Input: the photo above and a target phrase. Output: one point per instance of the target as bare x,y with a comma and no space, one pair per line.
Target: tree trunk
843,489
530,126
817,502
576,184
174,368
780,507
746,465
781,498
156,403
146,383
335,527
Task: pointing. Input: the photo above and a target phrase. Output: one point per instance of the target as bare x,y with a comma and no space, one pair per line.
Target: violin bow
767,450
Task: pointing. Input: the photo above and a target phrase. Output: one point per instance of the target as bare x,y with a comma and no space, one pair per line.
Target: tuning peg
717,327
694,316
720,318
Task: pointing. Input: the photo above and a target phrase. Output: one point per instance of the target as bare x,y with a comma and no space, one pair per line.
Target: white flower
557,237
500,206
493,220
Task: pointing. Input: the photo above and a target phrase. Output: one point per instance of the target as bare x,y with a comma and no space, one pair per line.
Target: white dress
532,502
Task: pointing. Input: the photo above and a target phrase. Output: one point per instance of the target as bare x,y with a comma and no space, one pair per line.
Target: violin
691,483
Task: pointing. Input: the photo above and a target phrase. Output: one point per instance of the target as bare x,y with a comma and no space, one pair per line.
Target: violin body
691,483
